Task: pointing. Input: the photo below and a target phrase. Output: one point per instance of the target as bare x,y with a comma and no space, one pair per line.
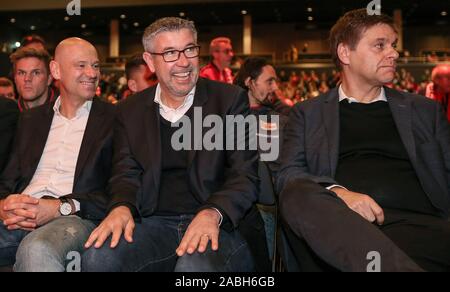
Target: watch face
65,209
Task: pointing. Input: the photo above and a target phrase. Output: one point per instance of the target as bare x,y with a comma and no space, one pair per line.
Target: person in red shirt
439,88
222,54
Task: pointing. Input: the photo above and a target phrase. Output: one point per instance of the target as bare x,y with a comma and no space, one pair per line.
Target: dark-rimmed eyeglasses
174,55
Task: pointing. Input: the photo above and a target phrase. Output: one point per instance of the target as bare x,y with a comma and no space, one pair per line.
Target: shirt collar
83,110
343,96
187,101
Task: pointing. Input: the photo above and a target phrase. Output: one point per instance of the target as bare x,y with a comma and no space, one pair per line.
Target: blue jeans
46,248
155,241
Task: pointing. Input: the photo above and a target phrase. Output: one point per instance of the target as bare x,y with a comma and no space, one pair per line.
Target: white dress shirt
55,173
343,96
170,114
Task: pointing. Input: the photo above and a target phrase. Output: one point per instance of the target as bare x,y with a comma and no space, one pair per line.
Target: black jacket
9,114
311,144
226,180
94,162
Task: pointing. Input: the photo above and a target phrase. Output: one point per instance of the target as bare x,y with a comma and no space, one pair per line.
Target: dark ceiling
324,14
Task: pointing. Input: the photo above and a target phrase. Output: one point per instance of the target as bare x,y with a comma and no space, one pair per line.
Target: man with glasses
222,54
189,205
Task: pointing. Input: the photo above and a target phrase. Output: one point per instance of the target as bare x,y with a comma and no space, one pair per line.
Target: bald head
76,66
70,45
441,78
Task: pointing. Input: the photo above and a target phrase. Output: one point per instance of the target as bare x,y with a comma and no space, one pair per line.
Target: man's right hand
361,204
19,212
119,221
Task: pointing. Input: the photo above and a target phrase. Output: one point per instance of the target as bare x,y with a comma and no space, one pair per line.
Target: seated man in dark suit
9,114
52,190
365,170
190,202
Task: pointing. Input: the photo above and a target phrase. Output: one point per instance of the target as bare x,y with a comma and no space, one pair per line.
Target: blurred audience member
34,41
260,79
7,88
439,88
139,75
218,69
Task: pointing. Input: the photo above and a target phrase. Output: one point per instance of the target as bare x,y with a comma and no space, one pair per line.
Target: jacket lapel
39,137
401,109
330,115
153,137
90,135
200,98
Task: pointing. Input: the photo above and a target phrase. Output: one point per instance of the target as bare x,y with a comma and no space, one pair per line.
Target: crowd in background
294,86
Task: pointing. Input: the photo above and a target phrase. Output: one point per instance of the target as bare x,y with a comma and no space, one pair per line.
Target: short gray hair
165,25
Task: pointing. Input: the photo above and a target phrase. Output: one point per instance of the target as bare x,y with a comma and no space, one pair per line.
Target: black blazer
94,162
227,180
9,114
311,145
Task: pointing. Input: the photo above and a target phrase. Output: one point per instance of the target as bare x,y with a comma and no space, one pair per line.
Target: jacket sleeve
293,155
10,176
126,173
239,192
443,137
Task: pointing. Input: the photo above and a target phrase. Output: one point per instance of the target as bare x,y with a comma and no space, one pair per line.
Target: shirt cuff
220,214
336,186
77,206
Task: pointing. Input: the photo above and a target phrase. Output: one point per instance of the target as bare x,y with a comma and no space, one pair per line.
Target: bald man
439,88
52,190
218,69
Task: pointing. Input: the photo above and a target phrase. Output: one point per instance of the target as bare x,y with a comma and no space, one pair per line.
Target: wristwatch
67,207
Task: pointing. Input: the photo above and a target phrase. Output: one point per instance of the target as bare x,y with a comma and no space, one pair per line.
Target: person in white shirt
45,211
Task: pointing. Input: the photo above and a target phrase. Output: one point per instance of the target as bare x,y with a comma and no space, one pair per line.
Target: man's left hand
203,229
